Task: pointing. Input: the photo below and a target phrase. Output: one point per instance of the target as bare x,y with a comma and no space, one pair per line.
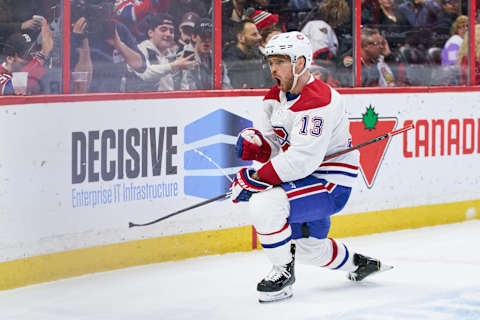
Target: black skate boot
366,267
277,285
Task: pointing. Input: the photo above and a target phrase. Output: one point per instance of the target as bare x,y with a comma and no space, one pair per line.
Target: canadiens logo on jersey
369,127
282,137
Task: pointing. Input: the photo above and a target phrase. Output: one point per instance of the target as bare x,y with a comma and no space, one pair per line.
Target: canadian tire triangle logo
366,128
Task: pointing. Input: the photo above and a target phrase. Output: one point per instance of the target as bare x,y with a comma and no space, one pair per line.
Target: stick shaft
226,195
366,143
180,211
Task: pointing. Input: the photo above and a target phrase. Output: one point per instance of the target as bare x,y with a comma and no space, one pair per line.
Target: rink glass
415,55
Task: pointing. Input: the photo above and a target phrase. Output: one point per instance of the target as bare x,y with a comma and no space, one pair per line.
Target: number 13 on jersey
311,126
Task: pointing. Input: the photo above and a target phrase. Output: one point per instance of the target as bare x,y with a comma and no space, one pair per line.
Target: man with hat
19,55
163,66
186,29
262,19
201,76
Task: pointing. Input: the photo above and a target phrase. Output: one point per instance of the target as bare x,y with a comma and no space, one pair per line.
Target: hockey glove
252,146
244,185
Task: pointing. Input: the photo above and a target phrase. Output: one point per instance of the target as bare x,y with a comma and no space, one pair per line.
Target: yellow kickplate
73,263
50,267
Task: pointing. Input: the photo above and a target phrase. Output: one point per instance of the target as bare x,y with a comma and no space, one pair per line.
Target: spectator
386,76
163,71
112,48
260,4
133,14
201,76
421,13
186,30
325,46
441,31
19,57
178,8
262,19
375,71
392,23
370,12
319,72
81,57
17,17
450,50
338,15
450,10
335,12
234,10
131,11
244,59
300,11
323,39
324,74
462,58
300,4
233,13
267,34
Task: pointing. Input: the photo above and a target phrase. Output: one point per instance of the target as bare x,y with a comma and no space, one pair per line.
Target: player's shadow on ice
341,287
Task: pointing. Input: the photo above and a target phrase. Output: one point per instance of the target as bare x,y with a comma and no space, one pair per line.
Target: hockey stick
226,195
366,143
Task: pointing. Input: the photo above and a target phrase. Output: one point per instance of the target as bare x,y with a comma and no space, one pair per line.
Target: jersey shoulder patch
316,94
273,94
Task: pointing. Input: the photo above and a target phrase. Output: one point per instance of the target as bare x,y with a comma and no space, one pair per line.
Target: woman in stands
462,58
453,44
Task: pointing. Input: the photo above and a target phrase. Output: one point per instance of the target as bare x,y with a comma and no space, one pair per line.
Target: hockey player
294,193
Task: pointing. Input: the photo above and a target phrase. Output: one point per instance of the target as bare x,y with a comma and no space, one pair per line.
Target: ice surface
436,276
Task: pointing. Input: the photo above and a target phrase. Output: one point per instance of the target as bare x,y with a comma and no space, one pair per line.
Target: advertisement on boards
75,174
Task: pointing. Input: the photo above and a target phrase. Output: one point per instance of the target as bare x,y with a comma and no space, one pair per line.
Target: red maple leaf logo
371,156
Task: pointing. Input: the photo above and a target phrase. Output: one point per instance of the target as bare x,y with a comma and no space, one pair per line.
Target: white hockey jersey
302,131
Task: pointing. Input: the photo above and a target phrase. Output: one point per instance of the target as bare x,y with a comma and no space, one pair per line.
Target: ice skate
277,285
366,267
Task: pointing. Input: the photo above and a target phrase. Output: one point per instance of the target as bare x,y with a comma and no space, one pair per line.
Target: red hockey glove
244,186
252,146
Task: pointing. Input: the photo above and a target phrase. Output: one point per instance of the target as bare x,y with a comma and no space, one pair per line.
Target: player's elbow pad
251,145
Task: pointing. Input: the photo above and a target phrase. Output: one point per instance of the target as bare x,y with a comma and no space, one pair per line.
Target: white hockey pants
270,210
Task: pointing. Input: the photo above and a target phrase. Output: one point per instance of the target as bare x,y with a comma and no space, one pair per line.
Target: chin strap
296,76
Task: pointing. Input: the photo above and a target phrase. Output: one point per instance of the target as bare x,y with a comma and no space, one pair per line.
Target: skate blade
266,297
384,267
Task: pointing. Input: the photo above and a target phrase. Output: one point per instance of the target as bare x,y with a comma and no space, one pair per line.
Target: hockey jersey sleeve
309,140
266,129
